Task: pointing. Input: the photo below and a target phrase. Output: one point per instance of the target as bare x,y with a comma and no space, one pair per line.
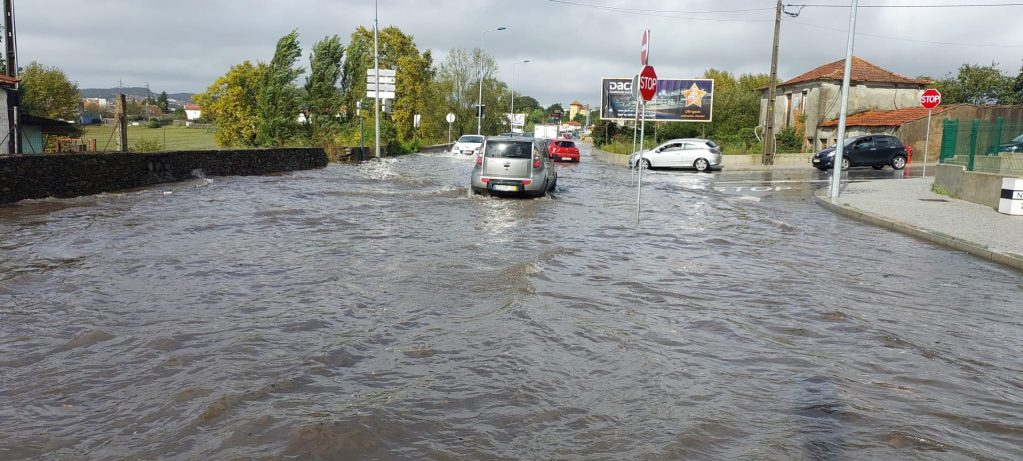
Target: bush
154,123
788,141
146,144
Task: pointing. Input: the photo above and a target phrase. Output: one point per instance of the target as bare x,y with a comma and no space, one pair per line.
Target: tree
277,104
322,97
47,92
556,107
976,84
230,102
526,104
460,75
163,102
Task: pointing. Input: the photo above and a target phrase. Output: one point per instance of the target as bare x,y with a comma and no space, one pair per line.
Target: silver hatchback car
702,154
513,166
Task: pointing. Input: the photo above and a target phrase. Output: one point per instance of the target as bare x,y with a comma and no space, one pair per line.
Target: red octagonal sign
930,99
648,83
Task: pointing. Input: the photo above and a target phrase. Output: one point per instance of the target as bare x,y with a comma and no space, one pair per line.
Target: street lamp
513,93
479,102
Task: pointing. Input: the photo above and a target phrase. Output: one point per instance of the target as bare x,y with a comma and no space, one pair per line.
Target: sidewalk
909,206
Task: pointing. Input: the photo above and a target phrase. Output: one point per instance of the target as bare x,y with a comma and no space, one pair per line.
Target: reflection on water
380,311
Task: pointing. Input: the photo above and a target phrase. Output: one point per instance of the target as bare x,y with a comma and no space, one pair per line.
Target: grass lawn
168,137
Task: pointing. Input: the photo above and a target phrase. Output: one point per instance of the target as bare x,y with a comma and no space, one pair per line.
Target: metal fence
984,146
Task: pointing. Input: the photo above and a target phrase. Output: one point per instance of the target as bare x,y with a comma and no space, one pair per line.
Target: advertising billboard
686,100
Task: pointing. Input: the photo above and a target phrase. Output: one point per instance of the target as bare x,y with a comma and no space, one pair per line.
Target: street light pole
479,102
513,93
376,69
836,170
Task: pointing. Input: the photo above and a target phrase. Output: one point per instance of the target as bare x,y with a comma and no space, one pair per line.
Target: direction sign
372,79
383,94
648,83
930,98
450,118
383,72
383,88
644,52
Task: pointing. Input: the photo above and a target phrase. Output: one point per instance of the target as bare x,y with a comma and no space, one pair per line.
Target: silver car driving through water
701,154
513,166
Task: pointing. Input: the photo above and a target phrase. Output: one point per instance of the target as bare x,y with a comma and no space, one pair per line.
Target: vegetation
976,84
47,92
177,137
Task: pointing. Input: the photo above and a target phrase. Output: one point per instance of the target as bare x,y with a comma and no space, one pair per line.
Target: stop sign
930,99
647,83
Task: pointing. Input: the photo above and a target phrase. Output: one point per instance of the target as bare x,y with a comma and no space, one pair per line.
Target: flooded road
380,311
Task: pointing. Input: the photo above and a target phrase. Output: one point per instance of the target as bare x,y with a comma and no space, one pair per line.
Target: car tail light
526,182
485,180
536,161
479,160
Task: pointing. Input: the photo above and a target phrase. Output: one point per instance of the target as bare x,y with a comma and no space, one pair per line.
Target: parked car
513,166
1015,145
467,144
875,151
563,151
702,154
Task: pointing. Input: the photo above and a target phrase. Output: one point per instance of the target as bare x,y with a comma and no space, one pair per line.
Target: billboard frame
675,84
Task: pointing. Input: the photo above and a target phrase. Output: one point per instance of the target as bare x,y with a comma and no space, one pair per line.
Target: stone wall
71,175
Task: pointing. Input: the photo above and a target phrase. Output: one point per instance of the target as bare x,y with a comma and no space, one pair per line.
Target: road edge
1008,259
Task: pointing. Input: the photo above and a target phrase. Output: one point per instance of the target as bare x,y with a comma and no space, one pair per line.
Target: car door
690,152
883,150
670,155
861,151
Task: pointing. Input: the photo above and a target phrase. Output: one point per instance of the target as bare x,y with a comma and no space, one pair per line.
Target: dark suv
876,151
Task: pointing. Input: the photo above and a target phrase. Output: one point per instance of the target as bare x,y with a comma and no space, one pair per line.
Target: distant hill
110,93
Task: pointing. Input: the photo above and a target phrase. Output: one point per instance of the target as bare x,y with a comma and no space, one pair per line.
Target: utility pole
769,144
376,67
122,128
13,112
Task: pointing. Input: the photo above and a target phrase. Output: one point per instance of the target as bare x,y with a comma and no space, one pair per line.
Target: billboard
686,100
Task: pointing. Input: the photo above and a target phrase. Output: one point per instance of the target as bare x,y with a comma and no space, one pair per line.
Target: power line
888,37
946,5
641,10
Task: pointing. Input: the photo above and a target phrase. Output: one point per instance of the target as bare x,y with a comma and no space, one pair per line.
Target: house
814,97
574,108
192,112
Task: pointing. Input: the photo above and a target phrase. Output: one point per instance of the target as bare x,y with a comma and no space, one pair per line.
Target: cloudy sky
183,45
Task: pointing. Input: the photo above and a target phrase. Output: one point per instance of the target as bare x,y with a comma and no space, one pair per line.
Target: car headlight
831,154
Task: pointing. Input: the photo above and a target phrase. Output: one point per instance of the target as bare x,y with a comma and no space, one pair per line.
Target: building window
788,109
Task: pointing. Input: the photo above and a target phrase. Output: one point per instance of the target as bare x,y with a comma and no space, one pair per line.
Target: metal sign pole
927,140
639,161
376,69
836,175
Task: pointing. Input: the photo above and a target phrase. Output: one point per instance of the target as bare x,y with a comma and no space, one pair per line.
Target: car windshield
509,149
471,139
1018,138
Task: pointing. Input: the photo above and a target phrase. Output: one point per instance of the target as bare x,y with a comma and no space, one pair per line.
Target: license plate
506,188
816,160
566,158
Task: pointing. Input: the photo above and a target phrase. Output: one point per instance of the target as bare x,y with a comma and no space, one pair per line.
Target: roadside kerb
729,162
1009,259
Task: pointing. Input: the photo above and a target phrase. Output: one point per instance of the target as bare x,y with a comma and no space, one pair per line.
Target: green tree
322,96
526,104
277,104
556,107
47,92
163,102
230,102
976,84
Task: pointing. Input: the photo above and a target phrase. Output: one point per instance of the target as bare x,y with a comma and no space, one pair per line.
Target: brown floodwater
379,311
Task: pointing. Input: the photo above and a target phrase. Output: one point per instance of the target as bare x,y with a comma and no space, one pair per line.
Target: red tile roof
8,80
190,106
862,71
896,117
576,103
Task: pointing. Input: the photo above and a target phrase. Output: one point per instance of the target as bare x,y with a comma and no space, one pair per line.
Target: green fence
985,146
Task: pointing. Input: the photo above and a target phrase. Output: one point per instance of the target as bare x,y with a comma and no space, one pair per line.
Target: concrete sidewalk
909,206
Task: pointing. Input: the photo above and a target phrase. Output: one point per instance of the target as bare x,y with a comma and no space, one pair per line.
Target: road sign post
451,119
929,99
647,89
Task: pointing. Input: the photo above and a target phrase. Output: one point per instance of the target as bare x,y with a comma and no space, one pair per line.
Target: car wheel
554,184
701,164
877,167
845,163
899,162
646,163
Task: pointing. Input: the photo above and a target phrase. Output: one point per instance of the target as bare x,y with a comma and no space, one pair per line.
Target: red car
563,151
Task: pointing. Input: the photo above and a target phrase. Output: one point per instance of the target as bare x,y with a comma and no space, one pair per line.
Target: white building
192,112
